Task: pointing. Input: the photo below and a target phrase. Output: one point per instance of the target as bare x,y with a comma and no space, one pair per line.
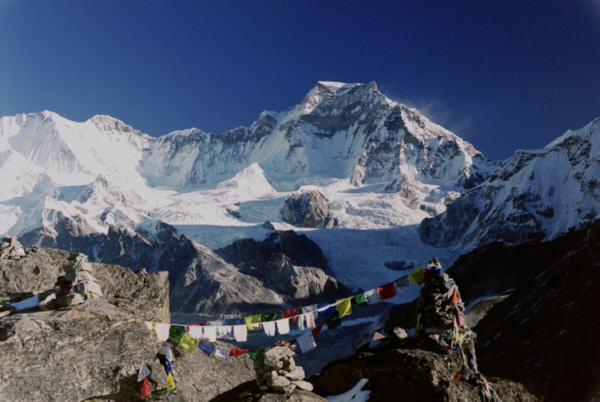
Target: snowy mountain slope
533,195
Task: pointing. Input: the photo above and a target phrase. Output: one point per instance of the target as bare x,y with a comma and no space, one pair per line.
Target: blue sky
502,74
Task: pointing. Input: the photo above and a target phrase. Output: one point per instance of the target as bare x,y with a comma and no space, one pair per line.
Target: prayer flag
291,313
210,333
300,322
372,296
206,348
306,342
149,325
360,299
455,296
317,330
344,307
188,343
269,328
255,354
170,382
175,334
387,291
283,326
222,353
333,322
417,276
223,330
240,333
146,390
270,316
196,331
253,322
168,353
143,373
162,331
237,352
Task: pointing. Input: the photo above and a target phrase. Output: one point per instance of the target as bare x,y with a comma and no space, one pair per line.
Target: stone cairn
276,370
11,248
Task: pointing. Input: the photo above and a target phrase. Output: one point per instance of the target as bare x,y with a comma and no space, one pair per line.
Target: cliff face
93,350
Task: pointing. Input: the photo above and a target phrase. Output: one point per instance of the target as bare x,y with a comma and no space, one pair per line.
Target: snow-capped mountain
533,195
119,195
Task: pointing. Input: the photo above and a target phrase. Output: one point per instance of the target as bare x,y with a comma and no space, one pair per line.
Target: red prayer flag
292,312
387,291
455,296
196,323
237,352
317,329
146,390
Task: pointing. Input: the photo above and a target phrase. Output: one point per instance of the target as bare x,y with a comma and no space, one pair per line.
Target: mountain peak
335,94
108,123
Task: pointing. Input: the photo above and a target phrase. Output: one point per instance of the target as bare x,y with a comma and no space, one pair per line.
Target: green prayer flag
254,354
333,322
188,343
360,300
253,322
160,392
344,307
270,316
175,334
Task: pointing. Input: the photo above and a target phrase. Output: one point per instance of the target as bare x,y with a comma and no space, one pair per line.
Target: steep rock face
93,351
291,264
308,209
545,333
533,195
412,369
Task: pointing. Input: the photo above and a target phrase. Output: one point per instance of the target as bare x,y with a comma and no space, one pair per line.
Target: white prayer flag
196,331
372,296
168,353
223,330
240,333
222,353
143,373
283,326
162,331
269,327
149,325
210,333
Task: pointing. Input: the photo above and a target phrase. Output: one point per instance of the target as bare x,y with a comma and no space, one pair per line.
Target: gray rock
296,374
305,385
307,209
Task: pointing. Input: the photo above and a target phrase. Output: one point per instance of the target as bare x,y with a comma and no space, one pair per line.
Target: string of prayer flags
327,310
206,348
291,313
240,333
175,334
344,307
253,322
283,326
387,291
360,300
162,331
189,343
222,353
306,342
235,352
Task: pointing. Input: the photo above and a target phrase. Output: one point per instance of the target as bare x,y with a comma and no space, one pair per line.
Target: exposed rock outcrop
92,351
308,209
292,265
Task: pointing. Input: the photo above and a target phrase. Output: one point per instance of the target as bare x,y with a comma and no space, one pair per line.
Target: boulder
308,209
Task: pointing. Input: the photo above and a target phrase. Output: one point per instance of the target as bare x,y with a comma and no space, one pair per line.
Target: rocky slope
544,334
533,195
92,351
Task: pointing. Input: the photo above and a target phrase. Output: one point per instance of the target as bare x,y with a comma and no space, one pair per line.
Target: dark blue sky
502,74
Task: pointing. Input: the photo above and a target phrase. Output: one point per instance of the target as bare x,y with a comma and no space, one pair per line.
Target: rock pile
11,248
276,371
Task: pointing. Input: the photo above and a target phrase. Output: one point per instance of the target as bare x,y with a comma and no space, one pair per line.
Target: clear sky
502,74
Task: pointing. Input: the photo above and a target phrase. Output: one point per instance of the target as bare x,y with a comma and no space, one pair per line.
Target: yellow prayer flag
417,276
344,307
189,343
253,322
170,382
